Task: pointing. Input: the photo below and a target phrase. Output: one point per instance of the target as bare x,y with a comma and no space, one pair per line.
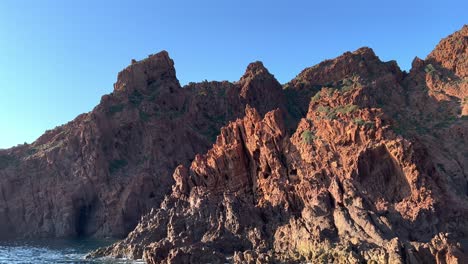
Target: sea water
53,251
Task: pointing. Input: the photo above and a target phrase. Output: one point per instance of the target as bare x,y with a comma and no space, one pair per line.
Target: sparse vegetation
323,109
448,121
422,130
400,130
113,109
429,68
331,113
211,133
347,88
303,83
347,81
135,98
7,161
441,167
346,109
222,92
316,97
361,122
144,116
348,84
308,137
116,165
31,151
342,86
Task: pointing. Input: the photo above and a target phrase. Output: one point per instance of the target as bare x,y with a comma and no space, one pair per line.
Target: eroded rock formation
352,161
376,172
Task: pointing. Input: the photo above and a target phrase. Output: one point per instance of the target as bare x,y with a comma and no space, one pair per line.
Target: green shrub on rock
308,137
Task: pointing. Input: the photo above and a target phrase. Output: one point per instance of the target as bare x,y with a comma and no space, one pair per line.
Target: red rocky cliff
352,161
374,171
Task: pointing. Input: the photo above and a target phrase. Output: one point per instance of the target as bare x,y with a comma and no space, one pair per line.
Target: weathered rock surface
97,175
352,161
375,171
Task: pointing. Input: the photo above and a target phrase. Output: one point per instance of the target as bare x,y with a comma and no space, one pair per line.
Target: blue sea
53,251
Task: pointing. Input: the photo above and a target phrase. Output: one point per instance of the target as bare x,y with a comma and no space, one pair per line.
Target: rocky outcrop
97,175
452,52
375,171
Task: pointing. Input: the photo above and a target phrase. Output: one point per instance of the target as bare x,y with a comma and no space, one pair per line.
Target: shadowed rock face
98,174
374,171
352,161
380,174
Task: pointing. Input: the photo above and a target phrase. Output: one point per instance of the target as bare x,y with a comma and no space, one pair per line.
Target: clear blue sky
57,58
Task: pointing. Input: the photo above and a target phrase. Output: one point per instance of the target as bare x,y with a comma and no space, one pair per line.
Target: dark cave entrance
83,216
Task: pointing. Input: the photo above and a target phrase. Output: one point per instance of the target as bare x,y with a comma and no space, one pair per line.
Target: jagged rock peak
417,63
365,51
259,88
255,69
452,52
141,74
